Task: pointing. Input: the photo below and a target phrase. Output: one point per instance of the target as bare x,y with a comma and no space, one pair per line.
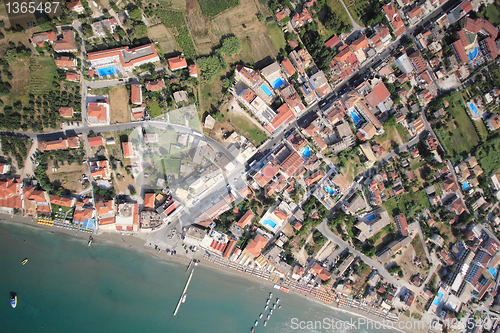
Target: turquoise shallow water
67,287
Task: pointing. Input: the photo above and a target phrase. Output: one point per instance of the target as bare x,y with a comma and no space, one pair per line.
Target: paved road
355,25
323,228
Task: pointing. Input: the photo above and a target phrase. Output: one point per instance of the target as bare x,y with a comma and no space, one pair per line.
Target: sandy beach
138,242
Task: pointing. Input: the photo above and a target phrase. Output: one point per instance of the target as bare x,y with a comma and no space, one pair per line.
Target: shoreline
135,242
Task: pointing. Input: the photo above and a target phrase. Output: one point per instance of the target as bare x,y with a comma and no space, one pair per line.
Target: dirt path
28,168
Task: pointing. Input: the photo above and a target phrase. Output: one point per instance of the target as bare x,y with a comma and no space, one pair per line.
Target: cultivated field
161,34
119,111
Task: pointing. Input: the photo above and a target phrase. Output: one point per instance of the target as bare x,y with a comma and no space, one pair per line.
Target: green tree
211,66
135,14
140,30
230,46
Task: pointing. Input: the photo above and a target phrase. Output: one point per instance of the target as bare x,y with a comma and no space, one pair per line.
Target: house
414,15
75,6
39,38
379,97
292,98
123,57
4,169
301,19
456,206
181,97
493,122
72,76
322,273
95,141
150,138
256,245
359,46
36,202
127,217
66,44
99,170
402,225
71,142
372,223
149,200
102,28
246,219
127,150
66,62
320,84
10,195
98,113
66,112
394,19
156,85
281,15
136,94
333,42
60,201
193,70
313,178
177,63
288,67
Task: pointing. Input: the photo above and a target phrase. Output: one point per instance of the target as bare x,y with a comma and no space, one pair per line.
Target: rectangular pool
356,118
438,298
277,83
107,71
269,223
473,108
370,217
266,90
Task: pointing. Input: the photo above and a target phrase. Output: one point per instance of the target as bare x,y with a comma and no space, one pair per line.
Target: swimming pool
438,298
306,152
356,118
493,272
330,190
277,83
266,90
465,186
370,217
107,71
270,223
473,54
473,108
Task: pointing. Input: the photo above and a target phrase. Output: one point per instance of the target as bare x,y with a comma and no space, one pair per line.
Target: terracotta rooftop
149,200
96,141
177,63
245,219
66,111
256,245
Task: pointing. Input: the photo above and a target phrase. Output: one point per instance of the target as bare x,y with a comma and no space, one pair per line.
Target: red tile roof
466,6
460,50
72,76
155,85
66,111
284,116
332,42
292,164
287,65
136,93
65,202
229,248
314,178
402,224
256,245
149,200
177,63
360,43
245,219
193,70
96,141
98,111
127,149
378,95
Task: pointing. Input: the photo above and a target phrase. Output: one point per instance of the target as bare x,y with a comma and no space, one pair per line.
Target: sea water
69,287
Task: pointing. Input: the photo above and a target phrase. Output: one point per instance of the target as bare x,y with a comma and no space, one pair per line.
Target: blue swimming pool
465,186
266,90
473,54
277,83
493,272
356,118
107,71
89,223
438,298
306,152
370,217
330,190
473,108
270,223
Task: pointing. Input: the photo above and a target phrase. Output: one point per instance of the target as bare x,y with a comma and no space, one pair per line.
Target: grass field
175,21
171,166
391,206
249,130
155,110
277,36
483,132
212,8
458,135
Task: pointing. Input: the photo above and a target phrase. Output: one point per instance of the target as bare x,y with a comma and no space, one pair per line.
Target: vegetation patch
175,21
249,130
411,204
212,8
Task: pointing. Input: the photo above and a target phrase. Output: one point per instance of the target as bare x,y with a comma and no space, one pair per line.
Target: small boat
24,261
279,307
267,301
184,298
268,316
267,306
256,323
277,300
253,329
265,323
271,311
13,300
260,316
274,306
270,295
